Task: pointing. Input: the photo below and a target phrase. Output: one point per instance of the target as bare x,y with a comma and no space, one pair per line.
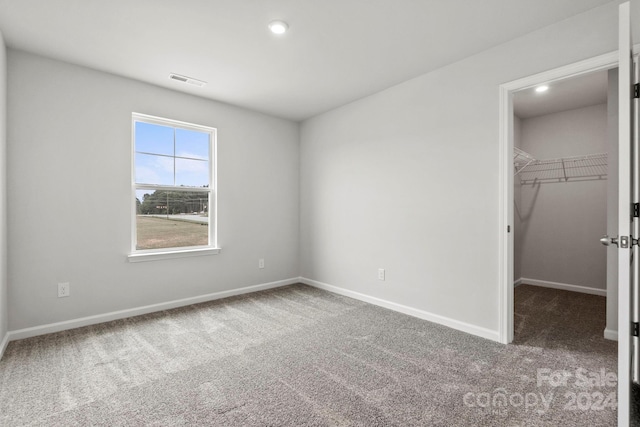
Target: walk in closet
560,167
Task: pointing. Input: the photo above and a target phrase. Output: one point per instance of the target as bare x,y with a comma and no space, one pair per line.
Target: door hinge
635,329
636,90
636,210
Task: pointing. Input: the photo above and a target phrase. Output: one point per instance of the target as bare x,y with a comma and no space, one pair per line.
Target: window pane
192,144
151,169
171,219
192,173
154,139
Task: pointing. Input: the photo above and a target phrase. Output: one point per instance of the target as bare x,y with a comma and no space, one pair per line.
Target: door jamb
505,178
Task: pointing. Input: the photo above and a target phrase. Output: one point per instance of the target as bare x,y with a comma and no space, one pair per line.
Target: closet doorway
563,133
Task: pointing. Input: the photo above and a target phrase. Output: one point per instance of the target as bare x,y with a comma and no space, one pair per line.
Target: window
173,189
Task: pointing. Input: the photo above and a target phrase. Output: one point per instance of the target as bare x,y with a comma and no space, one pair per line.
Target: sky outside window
171,156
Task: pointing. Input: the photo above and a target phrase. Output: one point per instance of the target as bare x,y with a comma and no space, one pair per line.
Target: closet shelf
529,169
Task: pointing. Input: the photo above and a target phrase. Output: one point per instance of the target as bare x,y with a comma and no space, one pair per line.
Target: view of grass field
157,233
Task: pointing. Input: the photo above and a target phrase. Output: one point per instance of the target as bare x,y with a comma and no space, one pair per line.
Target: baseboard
122,314
4,344
517,283
562,286
610,334
421,314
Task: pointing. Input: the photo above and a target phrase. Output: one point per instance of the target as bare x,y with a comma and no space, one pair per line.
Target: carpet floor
299,356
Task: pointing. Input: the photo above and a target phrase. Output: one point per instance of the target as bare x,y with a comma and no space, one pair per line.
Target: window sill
155,256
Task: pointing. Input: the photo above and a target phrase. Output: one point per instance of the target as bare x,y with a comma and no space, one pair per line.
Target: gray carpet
299,356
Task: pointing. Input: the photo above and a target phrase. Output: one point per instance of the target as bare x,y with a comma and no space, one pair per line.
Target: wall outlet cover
64,289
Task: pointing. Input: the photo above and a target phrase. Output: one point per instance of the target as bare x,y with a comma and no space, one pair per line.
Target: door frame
505,176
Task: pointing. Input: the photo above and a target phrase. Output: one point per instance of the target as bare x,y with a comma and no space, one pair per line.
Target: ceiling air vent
185,79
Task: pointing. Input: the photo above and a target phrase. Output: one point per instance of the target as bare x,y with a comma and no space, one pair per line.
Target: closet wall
559,223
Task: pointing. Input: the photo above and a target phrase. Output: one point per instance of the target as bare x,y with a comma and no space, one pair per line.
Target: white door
628,227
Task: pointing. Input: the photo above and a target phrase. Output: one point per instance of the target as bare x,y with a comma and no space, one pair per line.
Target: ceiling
563,95
335,52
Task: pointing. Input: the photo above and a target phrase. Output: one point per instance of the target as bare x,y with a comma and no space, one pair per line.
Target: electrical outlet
261,263
381,274
64,289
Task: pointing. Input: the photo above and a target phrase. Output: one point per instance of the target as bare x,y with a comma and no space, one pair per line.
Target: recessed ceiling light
278,27
542,88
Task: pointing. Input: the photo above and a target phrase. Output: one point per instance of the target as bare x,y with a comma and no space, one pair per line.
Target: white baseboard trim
562,286
610,334
122,314
421,314
517,283
4,344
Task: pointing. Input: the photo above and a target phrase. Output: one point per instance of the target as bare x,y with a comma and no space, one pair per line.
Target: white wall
407,179
69,152
562,222
4,308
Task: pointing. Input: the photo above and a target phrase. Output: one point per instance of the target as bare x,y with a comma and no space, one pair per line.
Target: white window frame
138,255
